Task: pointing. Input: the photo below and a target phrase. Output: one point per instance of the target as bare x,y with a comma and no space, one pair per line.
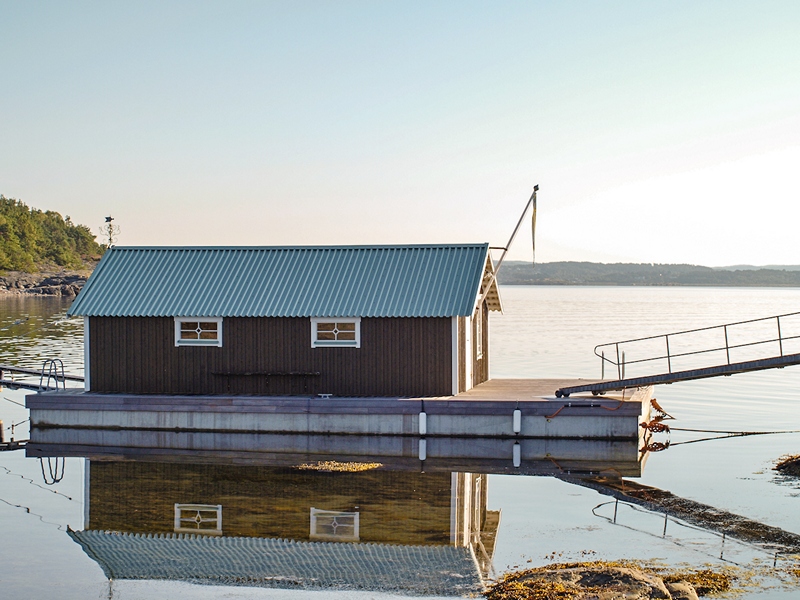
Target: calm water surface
545,332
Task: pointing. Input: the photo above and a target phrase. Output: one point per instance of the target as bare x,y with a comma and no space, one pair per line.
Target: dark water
417,531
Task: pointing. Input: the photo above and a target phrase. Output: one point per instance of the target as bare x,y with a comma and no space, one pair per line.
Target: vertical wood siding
398,357
480,366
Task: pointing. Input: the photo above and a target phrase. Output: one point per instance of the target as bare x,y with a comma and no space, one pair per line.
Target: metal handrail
55,372
620,361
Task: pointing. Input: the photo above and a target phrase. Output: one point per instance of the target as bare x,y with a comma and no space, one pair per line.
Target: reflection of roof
428,570
287,281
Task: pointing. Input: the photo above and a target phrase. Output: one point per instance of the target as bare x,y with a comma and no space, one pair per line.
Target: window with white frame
203,519
344,332
334,526
198,331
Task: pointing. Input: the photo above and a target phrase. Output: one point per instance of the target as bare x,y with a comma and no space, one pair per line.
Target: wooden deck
526,389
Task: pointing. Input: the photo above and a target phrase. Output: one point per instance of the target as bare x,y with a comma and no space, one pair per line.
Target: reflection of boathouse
369,529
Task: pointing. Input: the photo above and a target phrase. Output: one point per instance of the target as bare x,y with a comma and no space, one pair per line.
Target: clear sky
657,131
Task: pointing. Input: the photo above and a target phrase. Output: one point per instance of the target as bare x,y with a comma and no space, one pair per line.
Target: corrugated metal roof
285,281
419,570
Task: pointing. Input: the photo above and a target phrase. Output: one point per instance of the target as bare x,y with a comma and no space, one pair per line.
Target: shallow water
545,332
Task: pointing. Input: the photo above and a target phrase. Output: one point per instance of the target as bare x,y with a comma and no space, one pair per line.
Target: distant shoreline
45,284
645,275
68,283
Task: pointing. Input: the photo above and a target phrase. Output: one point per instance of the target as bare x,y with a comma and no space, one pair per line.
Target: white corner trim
453,506
454,346
468,354
86,364
87,466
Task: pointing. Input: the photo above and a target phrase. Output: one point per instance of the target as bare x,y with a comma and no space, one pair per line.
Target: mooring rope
30,512
33,483
735,433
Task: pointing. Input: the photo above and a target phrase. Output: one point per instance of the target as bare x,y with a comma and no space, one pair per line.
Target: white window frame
206,343
206,520
315,343
316,513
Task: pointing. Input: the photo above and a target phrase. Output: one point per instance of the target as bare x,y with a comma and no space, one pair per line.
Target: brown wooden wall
398,357
394,507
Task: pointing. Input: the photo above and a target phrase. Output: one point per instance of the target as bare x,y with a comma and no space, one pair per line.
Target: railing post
727,349
780,337
623,365
619,372
669,359
602,366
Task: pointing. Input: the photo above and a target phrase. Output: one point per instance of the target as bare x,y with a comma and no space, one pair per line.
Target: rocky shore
63,283
601,580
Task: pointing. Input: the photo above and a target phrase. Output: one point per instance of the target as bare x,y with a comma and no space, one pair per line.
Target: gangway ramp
775,341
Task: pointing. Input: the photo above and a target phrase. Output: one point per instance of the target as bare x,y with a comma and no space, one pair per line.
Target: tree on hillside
30,238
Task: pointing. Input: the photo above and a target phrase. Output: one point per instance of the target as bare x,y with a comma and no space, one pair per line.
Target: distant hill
588,273
32,240
755,268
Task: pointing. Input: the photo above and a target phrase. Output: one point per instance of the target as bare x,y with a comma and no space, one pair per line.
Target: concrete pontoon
501,408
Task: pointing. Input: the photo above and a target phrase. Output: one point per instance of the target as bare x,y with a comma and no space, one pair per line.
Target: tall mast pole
531,201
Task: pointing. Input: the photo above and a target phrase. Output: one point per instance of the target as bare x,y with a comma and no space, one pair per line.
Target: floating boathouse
309,339
338,320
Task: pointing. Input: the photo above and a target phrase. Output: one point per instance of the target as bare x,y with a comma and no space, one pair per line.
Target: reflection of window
198,518
336,332
196,331
334,526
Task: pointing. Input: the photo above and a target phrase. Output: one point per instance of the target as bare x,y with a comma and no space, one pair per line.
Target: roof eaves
75,307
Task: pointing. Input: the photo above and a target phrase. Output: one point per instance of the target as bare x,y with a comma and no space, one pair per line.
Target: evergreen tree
30,238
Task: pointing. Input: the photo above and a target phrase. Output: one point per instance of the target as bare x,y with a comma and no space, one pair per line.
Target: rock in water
595,582
681,590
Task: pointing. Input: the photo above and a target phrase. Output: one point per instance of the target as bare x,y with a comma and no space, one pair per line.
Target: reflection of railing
618,356
774,552
55,467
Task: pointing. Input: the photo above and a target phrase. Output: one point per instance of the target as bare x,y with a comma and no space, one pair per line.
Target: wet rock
600,583
681,590
62,280
789,465
42,284
49,290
